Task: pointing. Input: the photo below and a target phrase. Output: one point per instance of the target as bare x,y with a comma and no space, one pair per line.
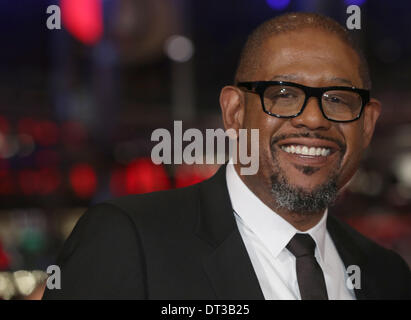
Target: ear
232,107
371,113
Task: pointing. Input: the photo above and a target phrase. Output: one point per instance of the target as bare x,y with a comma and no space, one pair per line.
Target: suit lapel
228,267
231,272
351,254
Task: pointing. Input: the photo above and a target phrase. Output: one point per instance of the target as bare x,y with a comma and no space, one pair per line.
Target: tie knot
301,245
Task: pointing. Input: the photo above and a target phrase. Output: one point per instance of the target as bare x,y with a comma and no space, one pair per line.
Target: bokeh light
278,4
179,48
83,19
143,176
355,2
83,180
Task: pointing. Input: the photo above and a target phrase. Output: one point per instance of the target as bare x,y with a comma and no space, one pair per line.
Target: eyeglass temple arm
248,85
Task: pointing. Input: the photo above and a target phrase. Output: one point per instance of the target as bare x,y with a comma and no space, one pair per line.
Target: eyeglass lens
286,101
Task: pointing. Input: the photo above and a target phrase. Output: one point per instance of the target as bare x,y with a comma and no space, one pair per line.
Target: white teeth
325,152
307,151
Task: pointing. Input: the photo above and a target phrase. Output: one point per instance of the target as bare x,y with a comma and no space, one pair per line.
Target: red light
4,259
143,176
187,175
83,180
46,133
83,19
188,180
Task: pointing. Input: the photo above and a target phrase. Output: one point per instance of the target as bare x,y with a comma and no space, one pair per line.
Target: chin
308,187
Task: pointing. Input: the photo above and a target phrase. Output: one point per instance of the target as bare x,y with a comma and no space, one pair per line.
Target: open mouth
312,147
306,150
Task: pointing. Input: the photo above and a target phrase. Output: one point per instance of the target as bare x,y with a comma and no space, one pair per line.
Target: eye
284,94
335,99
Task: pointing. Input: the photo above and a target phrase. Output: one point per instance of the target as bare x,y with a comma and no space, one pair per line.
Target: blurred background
78,106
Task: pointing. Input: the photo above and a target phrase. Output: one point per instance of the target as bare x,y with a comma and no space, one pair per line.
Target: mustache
312,135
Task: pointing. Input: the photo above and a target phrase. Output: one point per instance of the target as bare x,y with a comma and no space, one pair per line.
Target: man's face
318,59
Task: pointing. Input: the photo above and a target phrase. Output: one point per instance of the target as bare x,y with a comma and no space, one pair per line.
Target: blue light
356,2
278,4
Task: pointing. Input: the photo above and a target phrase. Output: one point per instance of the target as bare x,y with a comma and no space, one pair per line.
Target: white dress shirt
266,234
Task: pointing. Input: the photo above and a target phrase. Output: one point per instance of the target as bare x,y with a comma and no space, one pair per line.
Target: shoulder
102,226
157,206
129,218
102,254
154,200
133,216
118,220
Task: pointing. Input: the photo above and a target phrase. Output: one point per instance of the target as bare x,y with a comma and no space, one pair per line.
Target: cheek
267,163
256,118
354,142
267,126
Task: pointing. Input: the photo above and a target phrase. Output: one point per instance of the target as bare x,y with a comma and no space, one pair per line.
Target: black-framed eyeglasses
283,99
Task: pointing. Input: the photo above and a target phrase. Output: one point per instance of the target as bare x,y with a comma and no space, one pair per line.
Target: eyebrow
295,77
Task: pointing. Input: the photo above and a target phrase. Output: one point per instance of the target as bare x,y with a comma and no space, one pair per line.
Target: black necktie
309,274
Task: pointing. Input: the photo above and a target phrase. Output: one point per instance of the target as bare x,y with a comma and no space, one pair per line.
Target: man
302,82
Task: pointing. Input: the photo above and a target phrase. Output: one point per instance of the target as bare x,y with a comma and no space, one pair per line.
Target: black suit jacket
185,244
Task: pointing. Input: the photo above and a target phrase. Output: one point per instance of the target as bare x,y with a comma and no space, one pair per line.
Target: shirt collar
274,231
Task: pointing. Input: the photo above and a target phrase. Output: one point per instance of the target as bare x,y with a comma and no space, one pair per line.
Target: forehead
311,56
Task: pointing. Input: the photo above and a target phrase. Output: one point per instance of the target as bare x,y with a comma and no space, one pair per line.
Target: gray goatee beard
300,201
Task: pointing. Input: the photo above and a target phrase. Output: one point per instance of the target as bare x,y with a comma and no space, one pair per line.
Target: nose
312,117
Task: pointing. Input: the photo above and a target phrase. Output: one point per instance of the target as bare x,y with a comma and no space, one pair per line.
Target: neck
301,222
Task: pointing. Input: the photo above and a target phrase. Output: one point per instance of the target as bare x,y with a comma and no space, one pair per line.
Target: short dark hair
291,22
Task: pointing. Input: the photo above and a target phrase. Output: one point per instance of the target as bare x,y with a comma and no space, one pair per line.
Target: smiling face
308,153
